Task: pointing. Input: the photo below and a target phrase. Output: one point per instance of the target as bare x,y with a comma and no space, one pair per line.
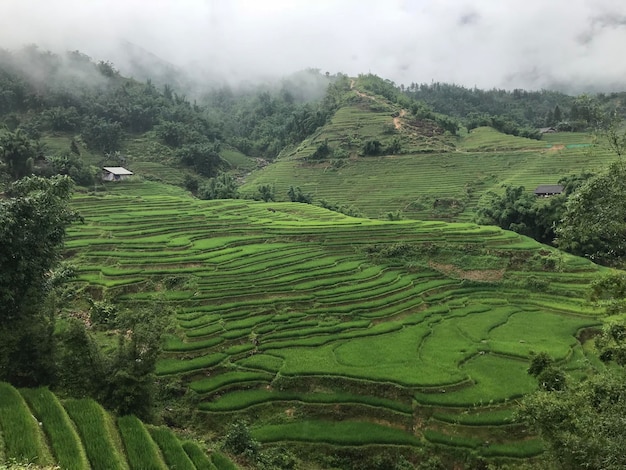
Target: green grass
221,462
216,382
316,298
98,434
199,457
173,366
482,417
65,443
238,400
413,183
23,439
141,451
339,433
171,448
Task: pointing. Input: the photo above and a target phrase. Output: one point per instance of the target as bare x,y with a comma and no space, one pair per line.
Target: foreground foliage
34,216
584,423
594,223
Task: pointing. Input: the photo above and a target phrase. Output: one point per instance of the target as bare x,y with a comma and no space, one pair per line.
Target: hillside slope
419,170
318,327
39,429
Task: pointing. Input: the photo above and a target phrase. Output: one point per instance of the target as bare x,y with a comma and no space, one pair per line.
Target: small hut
546,190
115,173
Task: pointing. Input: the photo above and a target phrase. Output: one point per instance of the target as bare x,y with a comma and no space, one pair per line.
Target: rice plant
221,462
340,433
98,433
23,437
199,458
141,451
65,442
171,448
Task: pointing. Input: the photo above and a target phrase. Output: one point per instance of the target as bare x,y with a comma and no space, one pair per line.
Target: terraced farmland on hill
39,429
431,175
323,328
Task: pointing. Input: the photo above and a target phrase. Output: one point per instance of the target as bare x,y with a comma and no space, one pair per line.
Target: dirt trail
396,121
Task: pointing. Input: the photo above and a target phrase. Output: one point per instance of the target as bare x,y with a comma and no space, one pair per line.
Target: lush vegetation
346,303
234,290
40,430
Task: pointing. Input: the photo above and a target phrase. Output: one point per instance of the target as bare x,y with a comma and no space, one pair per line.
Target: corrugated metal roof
549,189
117,170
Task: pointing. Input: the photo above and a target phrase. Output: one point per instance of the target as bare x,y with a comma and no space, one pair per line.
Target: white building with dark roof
115,173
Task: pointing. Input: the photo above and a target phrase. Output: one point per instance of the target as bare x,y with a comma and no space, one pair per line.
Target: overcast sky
487,43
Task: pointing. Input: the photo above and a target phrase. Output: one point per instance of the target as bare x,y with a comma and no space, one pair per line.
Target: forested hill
80,114
534,109
100,112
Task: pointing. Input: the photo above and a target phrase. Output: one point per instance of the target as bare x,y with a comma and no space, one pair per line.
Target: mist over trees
43,93
518,111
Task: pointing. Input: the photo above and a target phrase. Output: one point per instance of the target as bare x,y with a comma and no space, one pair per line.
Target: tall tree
583,422
594,223
558,115
33,219
17,153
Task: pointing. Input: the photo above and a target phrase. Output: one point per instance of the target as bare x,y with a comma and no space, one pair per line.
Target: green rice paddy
297,310
38,429
446,182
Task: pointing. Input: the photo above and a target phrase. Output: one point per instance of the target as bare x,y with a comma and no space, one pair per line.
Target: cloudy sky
485,43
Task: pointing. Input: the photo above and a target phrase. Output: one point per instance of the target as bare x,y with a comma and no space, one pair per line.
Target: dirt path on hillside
396,121
557,147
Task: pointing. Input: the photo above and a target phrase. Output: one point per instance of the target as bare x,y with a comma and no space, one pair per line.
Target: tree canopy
33,218
582,422
594,221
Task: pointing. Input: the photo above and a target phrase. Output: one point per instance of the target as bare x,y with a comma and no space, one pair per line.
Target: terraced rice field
440,185
39,429
324,328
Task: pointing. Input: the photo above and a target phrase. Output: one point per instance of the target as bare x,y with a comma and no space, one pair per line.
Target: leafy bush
102,134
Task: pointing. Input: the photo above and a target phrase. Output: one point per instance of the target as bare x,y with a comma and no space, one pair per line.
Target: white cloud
488,43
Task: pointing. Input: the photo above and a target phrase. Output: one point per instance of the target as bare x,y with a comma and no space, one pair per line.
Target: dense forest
503,109
43,95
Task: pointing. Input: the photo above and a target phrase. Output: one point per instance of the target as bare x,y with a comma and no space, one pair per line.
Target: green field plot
64,440
141,451
238,400
488,139
98,433
216,382
221,462
23,440
172,366
171,448
420,318
442,185
483,417
340,433
494,379
534,331
519,449
199,458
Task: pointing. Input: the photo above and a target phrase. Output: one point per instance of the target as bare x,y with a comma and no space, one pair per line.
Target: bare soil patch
396,121
485,275
556,147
